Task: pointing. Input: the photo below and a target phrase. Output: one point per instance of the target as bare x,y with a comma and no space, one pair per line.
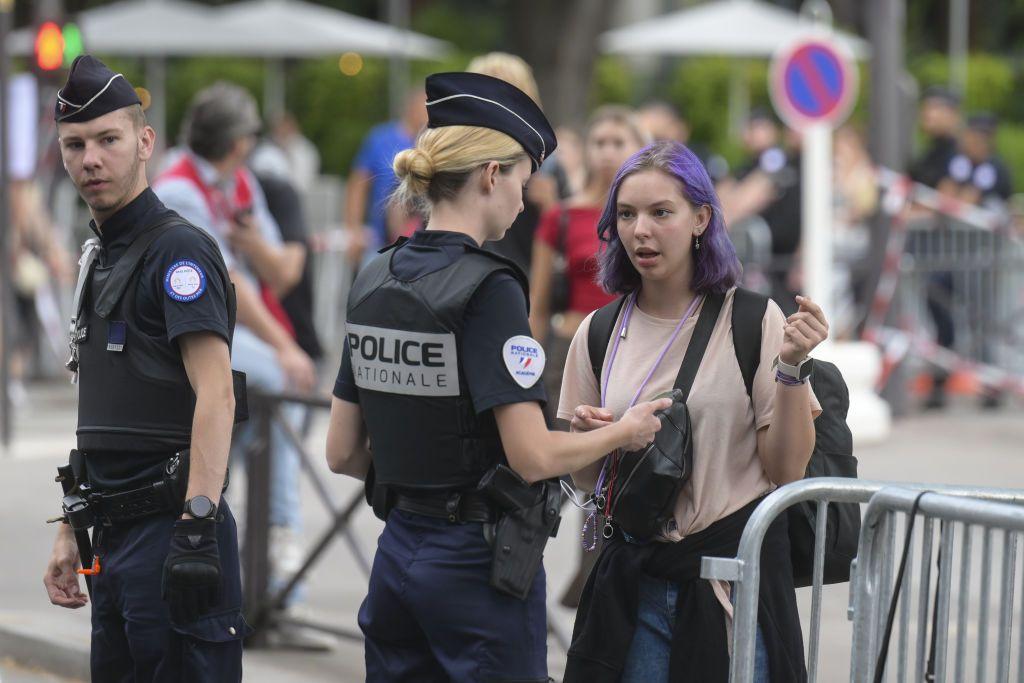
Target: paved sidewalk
962,446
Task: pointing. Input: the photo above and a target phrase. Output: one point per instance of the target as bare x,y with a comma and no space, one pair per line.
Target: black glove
191,582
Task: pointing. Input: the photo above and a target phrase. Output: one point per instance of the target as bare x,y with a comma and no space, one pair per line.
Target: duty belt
459,507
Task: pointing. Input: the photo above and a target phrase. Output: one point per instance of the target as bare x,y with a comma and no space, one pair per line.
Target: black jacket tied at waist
607,615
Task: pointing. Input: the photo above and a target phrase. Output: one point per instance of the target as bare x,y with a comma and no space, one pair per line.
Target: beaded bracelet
783,378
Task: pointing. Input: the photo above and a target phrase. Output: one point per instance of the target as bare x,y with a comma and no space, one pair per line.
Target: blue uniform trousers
431,614
133,638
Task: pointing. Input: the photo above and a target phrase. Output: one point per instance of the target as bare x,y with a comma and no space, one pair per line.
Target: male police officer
154,313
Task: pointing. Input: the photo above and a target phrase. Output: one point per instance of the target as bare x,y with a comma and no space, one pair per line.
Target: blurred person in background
285,205
767,185
855,199
301,157
571,172
940,121
40,262
565,261
210,186
568,232
542,190
370,220
974,174
663,121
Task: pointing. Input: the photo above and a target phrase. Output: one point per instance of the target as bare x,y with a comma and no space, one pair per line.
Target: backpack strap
709,312
602,326
748,310
126,266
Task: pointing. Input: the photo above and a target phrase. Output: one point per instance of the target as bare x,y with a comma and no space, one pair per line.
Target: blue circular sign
812,82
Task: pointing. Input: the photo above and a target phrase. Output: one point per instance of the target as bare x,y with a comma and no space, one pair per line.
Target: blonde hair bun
415,168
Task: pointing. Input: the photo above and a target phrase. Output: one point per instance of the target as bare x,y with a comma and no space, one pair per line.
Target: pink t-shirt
727,472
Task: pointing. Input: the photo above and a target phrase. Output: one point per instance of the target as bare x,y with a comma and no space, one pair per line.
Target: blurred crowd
247,184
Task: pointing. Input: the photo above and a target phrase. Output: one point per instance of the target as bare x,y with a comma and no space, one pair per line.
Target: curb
32,650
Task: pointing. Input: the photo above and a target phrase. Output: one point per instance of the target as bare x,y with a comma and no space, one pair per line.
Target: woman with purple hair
645,614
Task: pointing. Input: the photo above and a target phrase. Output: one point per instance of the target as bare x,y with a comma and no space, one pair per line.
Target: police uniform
147,279
437,337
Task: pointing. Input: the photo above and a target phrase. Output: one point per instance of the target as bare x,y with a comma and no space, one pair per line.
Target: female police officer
438,371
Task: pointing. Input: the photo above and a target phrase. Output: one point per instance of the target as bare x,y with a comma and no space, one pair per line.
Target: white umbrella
255,28
294,28
141,28
738,28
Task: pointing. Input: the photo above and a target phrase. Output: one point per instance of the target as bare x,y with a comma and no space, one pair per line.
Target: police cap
983,122
942,94
92,90
469,99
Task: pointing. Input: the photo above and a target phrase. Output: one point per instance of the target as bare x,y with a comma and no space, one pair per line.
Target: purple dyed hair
716,267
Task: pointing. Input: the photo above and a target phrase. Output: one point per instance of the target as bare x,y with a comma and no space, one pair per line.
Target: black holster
378,496
75,505
529,515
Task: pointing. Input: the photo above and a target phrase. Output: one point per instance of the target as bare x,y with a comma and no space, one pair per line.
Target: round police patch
185,281
524,359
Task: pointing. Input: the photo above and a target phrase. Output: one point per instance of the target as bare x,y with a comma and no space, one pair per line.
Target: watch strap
211,512
799,372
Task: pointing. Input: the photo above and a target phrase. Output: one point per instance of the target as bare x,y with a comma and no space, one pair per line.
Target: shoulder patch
524,358
185,281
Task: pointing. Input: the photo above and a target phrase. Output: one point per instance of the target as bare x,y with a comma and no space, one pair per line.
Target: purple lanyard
611,359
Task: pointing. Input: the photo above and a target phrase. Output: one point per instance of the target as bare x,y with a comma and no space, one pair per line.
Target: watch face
200,507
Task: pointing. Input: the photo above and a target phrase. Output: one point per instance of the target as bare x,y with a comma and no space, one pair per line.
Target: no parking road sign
813,80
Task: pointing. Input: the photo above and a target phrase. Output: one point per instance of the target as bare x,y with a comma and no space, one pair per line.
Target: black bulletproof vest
133,392
404,341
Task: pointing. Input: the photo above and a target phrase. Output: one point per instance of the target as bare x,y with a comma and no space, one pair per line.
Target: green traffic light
72,43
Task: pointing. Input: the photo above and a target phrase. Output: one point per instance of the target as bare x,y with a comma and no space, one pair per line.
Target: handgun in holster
529,515
75,508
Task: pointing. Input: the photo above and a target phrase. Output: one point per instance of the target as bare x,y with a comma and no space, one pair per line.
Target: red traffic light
49,47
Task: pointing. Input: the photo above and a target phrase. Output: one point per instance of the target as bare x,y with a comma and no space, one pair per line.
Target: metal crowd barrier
744,570
872,589
966,284
263,607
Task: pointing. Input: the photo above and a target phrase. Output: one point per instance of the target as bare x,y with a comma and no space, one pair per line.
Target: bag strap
563,230
748,310
699,342
602,326
126,266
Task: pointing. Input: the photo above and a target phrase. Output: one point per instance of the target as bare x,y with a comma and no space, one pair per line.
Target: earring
696,242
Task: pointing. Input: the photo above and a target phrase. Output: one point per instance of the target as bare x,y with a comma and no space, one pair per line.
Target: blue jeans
259,363
648,658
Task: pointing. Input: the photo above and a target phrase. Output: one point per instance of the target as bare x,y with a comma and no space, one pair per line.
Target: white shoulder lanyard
90,250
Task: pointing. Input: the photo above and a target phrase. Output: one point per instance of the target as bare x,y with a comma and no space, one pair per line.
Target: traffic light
56,46
49,47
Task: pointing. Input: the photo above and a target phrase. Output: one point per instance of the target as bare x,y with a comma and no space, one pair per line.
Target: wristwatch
200,507
799,372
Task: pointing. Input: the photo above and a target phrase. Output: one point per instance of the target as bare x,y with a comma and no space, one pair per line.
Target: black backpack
833,446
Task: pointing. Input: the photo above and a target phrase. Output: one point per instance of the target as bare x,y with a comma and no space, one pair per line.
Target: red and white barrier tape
896,344
930,198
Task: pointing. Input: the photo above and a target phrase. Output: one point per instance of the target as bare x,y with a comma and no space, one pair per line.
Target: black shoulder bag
643,498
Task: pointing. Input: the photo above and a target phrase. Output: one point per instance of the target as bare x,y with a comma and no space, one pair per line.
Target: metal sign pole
816,235
6,296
